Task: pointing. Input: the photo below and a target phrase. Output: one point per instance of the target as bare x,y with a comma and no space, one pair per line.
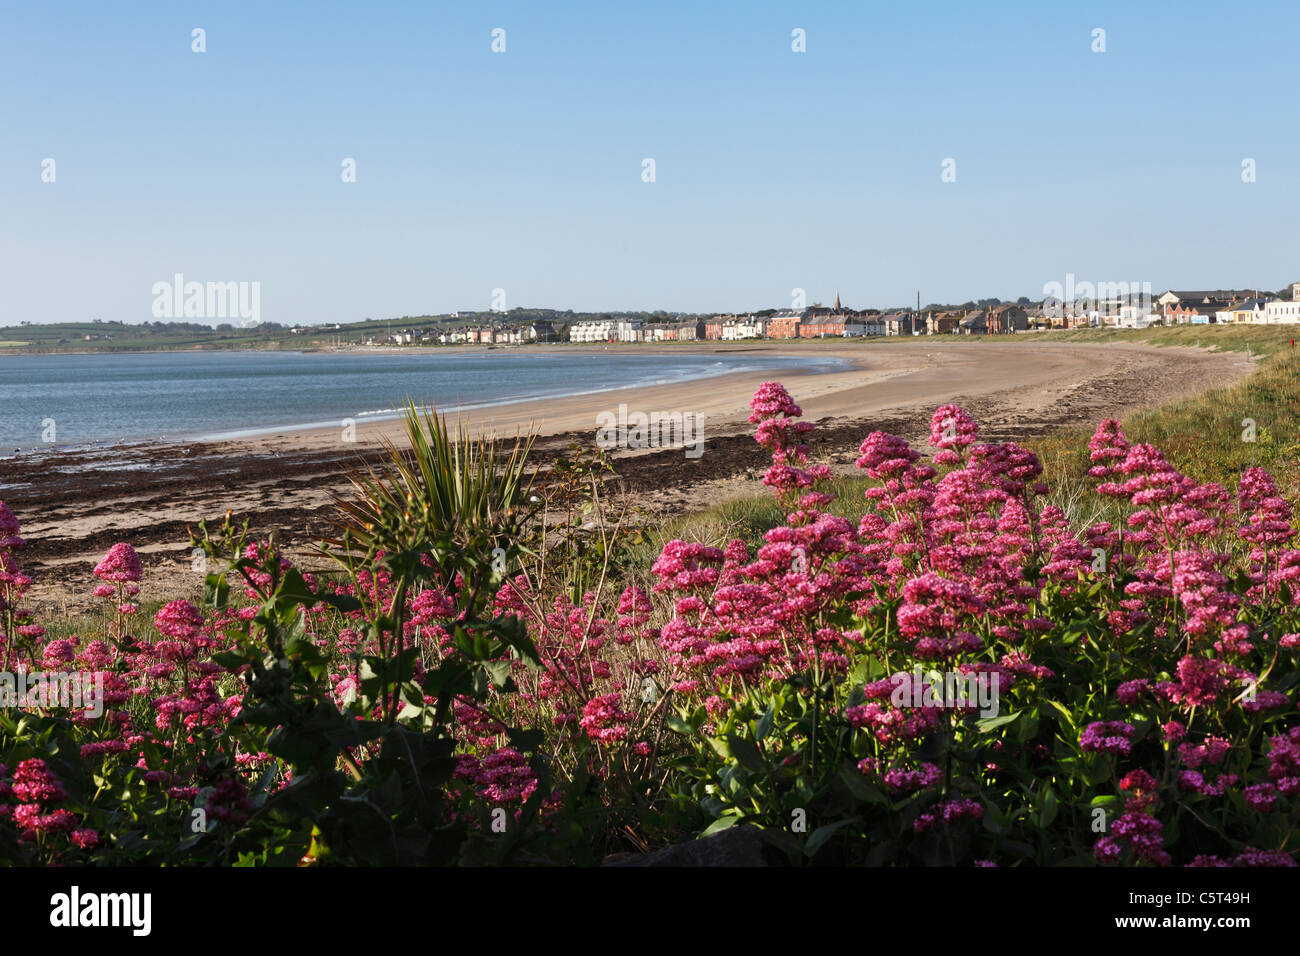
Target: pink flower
772,399
120,564
1107,736
180,620
57,652
9,539
603,719
35,783
951,430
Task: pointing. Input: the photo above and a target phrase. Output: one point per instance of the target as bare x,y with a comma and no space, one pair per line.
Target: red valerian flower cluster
1148,660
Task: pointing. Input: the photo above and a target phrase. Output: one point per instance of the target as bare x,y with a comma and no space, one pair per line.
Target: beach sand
1016,388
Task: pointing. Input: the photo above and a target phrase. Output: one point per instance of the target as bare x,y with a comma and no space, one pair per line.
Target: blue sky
521,170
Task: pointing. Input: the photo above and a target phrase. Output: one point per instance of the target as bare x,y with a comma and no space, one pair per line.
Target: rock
739,845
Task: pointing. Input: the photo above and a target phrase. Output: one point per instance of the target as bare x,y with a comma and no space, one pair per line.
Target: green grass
1206,437
1260,339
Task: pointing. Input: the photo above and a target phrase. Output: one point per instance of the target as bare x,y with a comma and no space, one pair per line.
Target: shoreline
315,431
151,494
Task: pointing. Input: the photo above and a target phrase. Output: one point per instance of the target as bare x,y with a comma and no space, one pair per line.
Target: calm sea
96,400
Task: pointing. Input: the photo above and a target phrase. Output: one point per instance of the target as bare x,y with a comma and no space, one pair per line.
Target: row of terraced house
806,324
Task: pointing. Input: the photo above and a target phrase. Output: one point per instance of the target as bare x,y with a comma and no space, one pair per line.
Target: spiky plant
462,502
446,490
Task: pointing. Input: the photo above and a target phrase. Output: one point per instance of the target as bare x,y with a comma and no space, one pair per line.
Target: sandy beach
72,507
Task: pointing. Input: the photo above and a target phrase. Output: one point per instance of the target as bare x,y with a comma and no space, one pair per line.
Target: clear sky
522,170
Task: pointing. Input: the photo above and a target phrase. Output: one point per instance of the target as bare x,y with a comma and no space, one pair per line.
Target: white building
592,331
1252,311
1280,312
745,328
605,330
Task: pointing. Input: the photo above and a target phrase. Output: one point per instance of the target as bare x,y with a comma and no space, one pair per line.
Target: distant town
1131,310
1114,306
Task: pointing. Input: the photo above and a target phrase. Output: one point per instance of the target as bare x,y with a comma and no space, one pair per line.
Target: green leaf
993,723
861,789
817,839
1100,771
720,824
1047,813
765,722
679,726
746,752
498,672
1069,718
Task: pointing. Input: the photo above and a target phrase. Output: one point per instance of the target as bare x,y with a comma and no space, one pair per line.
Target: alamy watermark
127,910
179,299
949,690
79,690
1084,298
653,430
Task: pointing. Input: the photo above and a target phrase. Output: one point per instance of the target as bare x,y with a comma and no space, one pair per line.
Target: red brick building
783,327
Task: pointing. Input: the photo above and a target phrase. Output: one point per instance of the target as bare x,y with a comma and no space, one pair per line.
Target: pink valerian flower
1173,731
1255,857
29,816
783,437
85,838
891,725
1200,681
634,609
903,780
1284,761
886,456
936,613
1200,587
96,654
121,564
774,411
681,566
228,802
1209,753
503,776
1130,692
1261,796
951,431
432,605
9,528
1107,736
1141,788
1266,514
34,782
57,653
604,720
771,399
949,812
1009,467
179,620
1138,832
1107,448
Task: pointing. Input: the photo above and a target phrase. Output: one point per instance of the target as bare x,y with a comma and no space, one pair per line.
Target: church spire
837,300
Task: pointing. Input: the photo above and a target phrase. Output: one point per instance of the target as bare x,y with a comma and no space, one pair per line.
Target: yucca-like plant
462,502
445,491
